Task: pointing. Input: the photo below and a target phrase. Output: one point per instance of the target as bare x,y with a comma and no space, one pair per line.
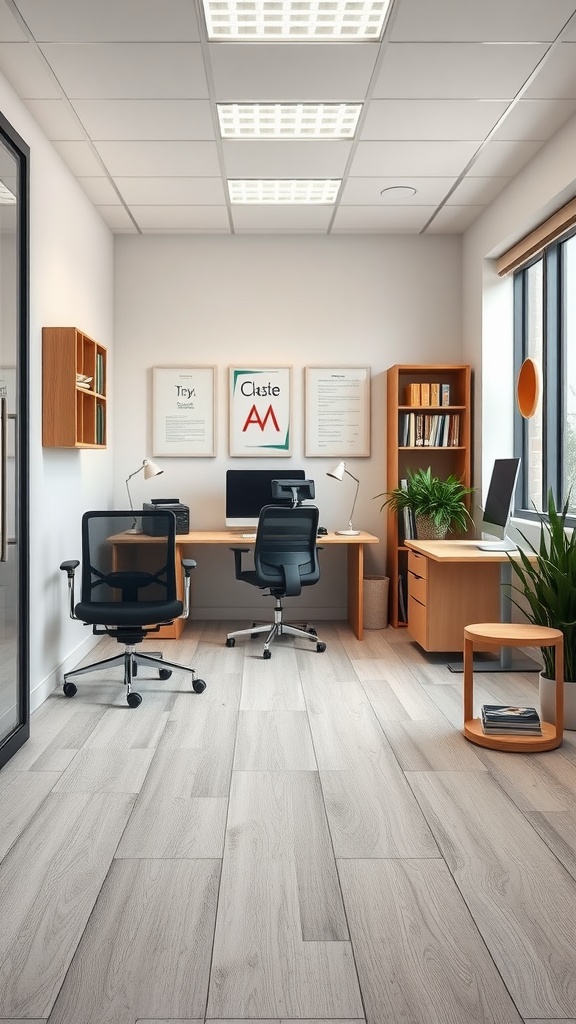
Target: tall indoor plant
437,505
546,579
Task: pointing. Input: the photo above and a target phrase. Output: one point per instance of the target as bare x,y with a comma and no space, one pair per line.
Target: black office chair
129,590
285,560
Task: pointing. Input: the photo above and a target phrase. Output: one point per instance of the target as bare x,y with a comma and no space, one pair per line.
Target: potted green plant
546,579
438,505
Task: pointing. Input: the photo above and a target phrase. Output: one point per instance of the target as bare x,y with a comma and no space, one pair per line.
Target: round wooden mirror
528,388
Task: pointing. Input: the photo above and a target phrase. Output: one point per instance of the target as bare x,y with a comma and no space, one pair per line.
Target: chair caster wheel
313,631
230,641
133,699
320,648
266,655
164,673
69,689
198,686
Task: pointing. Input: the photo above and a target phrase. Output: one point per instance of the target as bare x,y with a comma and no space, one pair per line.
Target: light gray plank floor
311,839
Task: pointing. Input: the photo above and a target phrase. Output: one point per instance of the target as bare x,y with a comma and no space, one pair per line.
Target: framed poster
337,411
260,411
184,410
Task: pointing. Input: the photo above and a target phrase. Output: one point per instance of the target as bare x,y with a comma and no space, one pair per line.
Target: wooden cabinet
403,452
74,409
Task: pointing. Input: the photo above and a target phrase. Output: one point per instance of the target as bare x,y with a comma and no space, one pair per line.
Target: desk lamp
150,470
338,474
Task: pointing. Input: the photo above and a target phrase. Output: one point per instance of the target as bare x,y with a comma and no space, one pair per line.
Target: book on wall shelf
499,719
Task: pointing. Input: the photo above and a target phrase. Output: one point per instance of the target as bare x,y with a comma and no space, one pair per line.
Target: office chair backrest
285,553
146,571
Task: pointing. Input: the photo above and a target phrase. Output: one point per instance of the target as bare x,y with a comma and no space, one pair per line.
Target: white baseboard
47,686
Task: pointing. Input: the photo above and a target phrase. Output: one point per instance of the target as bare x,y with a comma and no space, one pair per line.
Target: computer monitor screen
499,503
247,490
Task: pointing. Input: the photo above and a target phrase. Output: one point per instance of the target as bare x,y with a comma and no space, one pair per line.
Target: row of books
408,518
99,373
427,393
502,719
436,431
100,432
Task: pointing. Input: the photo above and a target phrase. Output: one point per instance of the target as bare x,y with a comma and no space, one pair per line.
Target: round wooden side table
512,634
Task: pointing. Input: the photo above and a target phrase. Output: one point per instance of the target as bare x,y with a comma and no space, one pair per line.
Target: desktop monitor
499,505
247,490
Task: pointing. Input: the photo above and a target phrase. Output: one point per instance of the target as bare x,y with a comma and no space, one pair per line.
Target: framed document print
337,411
260,411
184,410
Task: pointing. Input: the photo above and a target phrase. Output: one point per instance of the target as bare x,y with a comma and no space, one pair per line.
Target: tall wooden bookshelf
402,455
74,406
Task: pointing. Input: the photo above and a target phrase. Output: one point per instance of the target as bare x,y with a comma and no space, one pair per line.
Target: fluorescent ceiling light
6,195
322,20
284,190
288,120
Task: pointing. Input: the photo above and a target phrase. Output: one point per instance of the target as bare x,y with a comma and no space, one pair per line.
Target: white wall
71,282
269,300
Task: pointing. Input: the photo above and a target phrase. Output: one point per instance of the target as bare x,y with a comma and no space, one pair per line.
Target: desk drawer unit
444,597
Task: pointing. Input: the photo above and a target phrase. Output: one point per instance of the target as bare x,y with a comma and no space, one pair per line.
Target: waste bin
376,602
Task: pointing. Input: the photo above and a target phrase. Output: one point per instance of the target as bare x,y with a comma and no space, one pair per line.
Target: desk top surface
456,551
234,538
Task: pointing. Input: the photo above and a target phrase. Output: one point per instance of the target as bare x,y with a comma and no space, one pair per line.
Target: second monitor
248,490
499,505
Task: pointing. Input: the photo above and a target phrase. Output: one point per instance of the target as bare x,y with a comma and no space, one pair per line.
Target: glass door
14,684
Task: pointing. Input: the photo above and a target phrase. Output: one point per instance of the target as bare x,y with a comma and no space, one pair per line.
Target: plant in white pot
438,505
547,582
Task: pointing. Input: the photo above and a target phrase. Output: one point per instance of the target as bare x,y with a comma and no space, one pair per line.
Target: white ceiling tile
57,119
431,119
366,191
108,20
285,159
100,191
181,218
503,159
534,120
557,76
368,219
454,219
490,20
171,191
10,29
438,159
477,191
290,219
23,66
117,219
455,70
127,120
129,70
570,33
246,72
79,157
160,159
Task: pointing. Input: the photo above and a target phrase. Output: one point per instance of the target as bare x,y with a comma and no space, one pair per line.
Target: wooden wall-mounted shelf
74,412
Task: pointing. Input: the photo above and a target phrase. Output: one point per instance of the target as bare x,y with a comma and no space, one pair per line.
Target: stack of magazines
502,718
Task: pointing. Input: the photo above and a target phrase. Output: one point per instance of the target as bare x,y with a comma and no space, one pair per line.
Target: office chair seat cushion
128,613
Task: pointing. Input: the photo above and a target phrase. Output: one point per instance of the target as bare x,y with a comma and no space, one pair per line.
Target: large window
545,329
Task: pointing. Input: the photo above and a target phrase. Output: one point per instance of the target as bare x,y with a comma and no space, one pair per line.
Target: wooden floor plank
419,955
105,771
262,967
147,946
272,685
274,740
522,900
49,882
21,795
432,746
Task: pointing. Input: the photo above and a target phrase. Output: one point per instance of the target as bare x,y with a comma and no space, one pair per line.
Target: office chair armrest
69,568
238,552
187,564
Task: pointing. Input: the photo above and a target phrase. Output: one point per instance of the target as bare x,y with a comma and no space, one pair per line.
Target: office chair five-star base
131,660
278,628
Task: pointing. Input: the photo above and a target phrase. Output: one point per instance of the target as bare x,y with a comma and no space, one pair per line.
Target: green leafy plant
547,581
426,495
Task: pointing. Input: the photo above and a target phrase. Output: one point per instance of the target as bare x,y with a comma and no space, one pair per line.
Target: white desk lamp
150,470
338,474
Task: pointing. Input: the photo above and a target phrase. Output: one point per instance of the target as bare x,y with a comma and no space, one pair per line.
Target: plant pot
427,529
547,691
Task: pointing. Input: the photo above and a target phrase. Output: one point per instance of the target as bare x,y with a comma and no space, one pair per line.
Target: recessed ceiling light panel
269,20
288,120
284,191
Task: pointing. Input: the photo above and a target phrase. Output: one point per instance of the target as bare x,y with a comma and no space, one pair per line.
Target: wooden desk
452,583
129,548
